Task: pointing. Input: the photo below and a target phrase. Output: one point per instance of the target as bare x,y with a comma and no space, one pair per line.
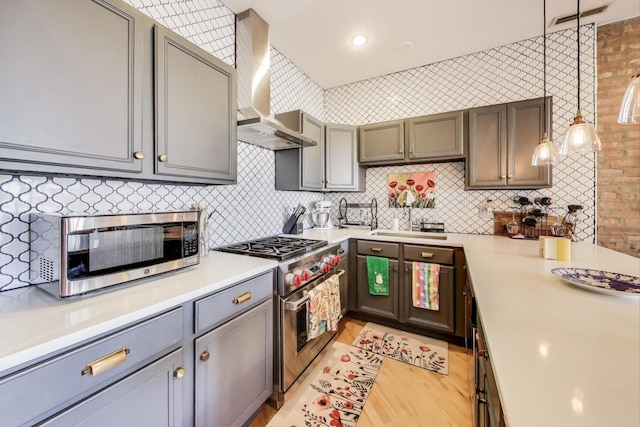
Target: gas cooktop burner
275,247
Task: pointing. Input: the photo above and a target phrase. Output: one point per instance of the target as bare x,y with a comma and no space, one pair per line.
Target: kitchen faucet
409,198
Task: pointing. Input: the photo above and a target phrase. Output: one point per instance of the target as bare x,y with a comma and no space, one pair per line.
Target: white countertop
33,323
562,355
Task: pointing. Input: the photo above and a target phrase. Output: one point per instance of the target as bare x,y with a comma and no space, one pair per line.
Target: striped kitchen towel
425,280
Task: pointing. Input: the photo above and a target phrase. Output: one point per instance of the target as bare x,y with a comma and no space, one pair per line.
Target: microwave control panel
190,239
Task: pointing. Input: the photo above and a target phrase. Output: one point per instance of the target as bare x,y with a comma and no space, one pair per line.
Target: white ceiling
316,34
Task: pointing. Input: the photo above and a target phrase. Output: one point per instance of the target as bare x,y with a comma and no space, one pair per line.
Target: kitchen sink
409,234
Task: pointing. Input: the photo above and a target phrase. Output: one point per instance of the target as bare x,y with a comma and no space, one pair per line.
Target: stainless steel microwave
75,254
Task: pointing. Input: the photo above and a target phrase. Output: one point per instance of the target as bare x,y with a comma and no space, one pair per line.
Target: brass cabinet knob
179,373
163,158
510,176
503,176
205,356
138,155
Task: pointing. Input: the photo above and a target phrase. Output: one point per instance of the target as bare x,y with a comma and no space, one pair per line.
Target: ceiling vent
568,18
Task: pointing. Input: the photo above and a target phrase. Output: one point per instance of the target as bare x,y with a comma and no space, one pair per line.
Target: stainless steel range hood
253,61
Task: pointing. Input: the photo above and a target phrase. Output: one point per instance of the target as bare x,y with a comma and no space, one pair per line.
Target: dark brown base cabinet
378,305
396,309
441,319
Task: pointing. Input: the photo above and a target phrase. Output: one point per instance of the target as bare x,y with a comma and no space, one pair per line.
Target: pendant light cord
578,38
544,65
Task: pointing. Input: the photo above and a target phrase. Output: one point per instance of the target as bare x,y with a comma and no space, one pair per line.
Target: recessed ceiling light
359,41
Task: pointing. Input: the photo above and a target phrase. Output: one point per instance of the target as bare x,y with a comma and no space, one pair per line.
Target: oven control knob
326,267
334,260
293,279
305,275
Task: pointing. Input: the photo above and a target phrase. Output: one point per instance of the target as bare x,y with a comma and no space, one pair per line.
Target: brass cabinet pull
138,155
204,356
242,298
376,250
163,158
179,373
395,268
105,363
427,255
503,176
510,176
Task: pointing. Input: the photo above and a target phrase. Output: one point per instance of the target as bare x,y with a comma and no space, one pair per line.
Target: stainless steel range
303,264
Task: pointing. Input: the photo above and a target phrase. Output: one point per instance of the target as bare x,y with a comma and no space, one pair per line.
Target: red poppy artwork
420,185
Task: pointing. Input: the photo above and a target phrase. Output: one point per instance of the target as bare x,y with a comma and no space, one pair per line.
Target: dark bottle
522,201
543,201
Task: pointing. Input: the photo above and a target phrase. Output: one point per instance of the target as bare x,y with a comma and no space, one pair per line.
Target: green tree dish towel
378,275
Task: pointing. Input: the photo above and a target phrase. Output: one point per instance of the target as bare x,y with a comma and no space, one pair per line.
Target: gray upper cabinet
309,173
381,143
71,89
195,104
342,172
89,88
436,137
502,139
332,165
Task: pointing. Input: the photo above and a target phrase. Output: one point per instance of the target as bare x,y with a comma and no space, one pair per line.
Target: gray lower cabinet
502,139
91,369
151,396
195,97
381,143
332,165
437,136
234,368
71,89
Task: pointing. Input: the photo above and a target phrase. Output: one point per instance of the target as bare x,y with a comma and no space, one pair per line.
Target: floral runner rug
424,352
334,395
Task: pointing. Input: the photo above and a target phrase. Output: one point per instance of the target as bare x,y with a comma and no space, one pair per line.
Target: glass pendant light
581,135
630,108
545,153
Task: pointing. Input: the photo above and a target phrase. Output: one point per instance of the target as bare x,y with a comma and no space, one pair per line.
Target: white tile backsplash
253,208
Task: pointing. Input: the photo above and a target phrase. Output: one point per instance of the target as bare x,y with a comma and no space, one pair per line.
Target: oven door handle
296,305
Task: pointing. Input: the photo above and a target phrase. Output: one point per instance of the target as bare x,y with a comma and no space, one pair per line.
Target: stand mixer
321,215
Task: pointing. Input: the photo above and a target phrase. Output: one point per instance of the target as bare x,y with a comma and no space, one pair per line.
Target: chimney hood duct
253,60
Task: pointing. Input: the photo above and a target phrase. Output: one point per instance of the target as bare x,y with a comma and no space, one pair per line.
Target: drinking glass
513,228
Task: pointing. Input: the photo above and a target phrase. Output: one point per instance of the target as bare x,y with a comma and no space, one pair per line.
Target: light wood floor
404,395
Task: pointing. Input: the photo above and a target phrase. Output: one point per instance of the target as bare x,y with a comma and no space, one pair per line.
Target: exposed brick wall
619,161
